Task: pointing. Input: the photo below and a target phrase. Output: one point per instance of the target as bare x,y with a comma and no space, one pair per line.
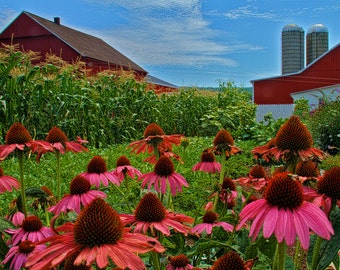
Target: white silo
317,42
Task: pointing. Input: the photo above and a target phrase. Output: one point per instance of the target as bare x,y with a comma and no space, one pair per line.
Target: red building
37,34
324,71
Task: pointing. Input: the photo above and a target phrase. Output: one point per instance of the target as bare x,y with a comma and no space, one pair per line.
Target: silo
293,48
317,42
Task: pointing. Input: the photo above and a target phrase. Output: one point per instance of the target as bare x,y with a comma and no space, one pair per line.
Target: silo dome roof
317,28
292,27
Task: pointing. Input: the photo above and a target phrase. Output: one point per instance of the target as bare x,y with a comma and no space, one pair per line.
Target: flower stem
298,255
223,160
22,182
316,250
280,256
155,260
57,154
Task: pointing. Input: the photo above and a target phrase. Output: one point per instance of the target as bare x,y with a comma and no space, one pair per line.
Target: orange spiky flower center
26,247
210,217
307,168
257,172
18,134
153,130
123,161
207,156
150,209
164,166
179,261
293,135
329,184
32,224
79,185
283,191
96,165
228,183
223,140
56,135
69,263
98,224
231,260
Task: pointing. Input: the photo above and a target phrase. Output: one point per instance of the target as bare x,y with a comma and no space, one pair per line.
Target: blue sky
190,42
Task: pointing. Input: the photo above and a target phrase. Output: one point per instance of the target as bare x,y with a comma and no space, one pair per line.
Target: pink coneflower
17,255
179,262
209,222
154,137
262,150
224,143
80,195
164,173
232,260
283,212
7,183
256,179
208,163
31,229
293,140
18,138
228,193
59,141
151,215
97,173
96,236
124,168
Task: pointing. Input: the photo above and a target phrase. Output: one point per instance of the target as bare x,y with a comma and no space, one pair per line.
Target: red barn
322,72
37,34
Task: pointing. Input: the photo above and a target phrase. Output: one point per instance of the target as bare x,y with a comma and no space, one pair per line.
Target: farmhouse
320,77
37,34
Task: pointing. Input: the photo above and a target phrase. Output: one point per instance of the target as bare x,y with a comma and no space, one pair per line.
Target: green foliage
233,111
324,125
301,108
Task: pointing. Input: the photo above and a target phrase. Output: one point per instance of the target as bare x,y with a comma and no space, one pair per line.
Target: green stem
223,160
298,255
57,153
280,256
22,182
123,195
315,259
155,260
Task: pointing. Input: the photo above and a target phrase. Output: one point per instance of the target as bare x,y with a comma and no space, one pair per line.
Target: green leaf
329,249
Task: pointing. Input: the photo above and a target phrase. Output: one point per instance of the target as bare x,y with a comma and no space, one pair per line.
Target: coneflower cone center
98,224
150,209
257,172
283,191
18,134
164,166
209,217
123,161
153,130
56,135
32,224
26,247
294,136
228,184
79,185
307,168
329,184
97,165
179,261
230,260
223,139
207,156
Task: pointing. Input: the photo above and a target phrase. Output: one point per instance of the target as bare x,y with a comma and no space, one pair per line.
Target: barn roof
85,44
154,80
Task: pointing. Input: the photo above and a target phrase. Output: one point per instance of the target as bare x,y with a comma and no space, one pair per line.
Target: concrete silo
293,48
317,42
